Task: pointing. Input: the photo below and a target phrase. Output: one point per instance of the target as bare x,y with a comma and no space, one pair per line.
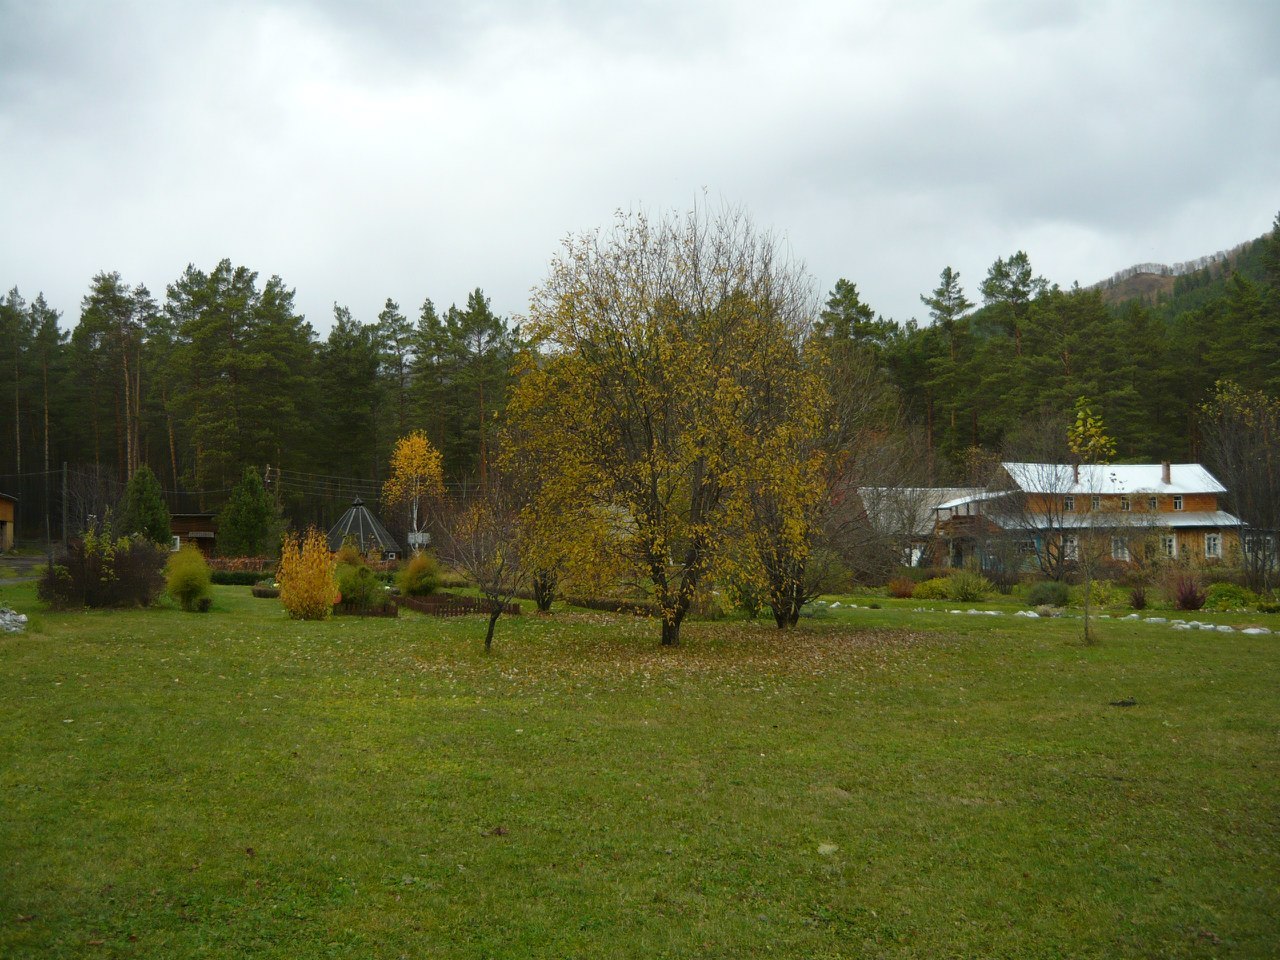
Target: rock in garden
11,621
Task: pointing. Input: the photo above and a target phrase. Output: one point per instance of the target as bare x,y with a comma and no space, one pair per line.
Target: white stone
1223,628
1256,630
1157,620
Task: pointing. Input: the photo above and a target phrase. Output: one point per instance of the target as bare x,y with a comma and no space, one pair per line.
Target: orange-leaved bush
308,589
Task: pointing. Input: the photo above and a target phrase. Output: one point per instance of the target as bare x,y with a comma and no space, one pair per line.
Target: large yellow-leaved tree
665,378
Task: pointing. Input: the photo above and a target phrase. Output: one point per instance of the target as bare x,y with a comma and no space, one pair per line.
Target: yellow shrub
308,589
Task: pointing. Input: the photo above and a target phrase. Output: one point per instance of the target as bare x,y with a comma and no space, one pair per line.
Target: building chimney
1075,473
1166,472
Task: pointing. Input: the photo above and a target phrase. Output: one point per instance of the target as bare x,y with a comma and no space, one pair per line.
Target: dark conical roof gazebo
363,529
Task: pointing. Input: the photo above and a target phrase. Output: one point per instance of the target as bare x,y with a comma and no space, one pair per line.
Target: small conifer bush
360,588
307,586
1049,593
187,577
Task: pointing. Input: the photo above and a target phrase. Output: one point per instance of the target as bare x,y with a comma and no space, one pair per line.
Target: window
1070,547
1213,545
1152,504
1124,504
1169,544
1177,503
1069,504
1119,548
1095,503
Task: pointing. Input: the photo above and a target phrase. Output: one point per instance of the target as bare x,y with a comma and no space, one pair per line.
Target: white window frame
1125,504
1119,548
1069,504
1177,503
1213,546
1095,502
1169,542
1153,504
1070,547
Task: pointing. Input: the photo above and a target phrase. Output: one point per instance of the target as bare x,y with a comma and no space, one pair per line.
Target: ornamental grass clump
969,587
420,576
187,578
307,586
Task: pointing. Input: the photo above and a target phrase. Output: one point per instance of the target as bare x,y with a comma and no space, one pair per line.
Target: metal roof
362,527
1112,478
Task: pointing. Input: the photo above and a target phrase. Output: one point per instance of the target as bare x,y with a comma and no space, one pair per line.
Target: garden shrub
902,587
939,588
307,587
1099,593
349,555
1004,580
98,571
1138,596
1187,593
360,587
1269,606
1049,593
187,577
1229,596
968,587
420,576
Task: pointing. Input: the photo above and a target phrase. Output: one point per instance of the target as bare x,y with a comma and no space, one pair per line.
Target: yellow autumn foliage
665,382
417,476
308,587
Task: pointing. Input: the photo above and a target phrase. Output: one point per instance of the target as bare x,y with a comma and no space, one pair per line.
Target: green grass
880,783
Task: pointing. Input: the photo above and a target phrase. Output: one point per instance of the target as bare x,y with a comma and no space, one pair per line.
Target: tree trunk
493,621
670,633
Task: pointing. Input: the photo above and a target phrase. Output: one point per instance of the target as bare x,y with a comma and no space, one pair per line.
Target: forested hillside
221,372
975,377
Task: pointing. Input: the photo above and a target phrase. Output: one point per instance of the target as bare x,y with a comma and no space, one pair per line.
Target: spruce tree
248,524
144,511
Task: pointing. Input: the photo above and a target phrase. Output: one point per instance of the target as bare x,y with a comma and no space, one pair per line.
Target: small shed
200,529
8,507
364,530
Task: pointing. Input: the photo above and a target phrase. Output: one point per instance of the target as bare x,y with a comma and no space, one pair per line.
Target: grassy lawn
881,783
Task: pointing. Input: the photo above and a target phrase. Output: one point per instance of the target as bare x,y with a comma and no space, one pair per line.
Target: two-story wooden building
1050,509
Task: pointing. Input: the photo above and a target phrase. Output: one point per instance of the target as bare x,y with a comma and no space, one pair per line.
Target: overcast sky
392,148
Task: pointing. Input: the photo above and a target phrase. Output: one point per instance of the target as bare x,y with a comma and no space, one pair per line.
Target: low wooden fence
451,605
